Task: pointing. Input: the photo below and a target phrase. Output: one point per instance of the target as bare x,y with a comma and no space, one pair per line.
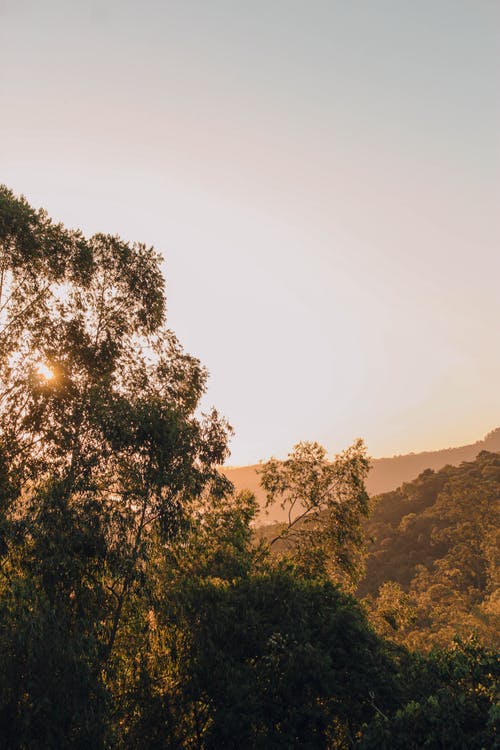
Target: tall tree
326,502
100,443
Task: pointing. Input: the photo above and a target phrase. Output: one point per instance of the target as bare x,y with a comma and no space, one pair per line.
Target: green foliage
285,659
252,654
437,540
326,502
451,702
97,460
50,696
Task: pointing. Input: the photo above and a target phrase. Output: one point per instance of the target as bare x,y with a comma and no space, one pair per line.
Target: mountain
388,473
385,475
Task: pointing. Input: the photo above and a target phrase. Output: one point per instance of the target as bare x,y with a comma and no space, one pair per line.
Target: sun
45,371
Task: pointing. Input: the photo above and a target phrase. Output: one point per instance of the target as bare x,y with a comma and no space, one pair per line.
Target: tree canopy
101,447
432,570
326,502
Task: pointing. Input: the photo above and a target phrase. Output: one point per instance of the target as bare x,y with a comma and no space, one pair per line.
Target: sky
322,179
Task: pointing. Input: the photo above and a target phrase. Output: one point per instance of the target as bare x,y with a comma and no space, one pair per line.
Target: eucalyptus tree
325,503
101,446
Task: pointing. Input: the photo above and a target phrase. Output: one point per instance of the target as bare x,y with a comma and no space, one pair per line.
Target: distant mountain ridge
386,473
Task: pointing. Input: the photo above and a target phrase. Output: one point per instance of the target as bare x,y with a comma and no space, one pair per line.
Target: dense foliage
100,448
326,503
136,608
432,570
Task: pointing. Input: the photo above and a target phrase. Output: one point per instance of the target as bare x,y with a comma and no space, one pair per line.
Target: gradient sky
321,177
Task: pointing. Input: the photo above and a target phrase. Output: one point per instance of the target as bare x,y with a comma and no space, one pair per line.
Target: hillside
436,540
432,565
386,473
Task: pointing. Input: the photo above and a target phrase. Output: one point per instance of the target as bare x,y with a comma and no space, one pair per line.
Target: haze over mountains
386,473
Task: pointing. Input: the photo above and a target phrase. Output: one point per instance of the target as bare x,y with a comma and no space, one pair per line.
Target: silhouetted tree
100,447
326,502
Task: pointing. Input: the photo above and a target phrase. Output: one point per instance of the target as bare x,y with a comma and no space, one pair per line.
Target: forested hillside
388,473
437,540
432,556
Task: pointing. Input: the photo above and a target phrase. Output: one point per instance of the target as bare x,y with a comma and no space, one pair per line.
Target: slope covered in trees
136,609
436,540
388,473
431,564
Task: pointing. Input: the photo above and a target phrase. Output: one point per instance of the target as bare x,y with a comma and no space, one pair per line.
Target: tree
449,700
100,448
326,503
392,609
244,652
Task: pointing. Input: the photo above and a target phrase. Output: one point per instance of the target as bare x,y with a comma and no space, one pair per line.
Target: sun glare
44,371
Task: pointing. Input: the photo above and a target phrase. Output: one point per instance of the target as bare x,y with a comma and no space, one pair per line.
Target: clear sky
322,178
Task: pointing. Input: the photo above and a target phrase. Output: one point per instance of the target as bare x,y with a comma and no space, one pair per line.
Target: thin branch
292,524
